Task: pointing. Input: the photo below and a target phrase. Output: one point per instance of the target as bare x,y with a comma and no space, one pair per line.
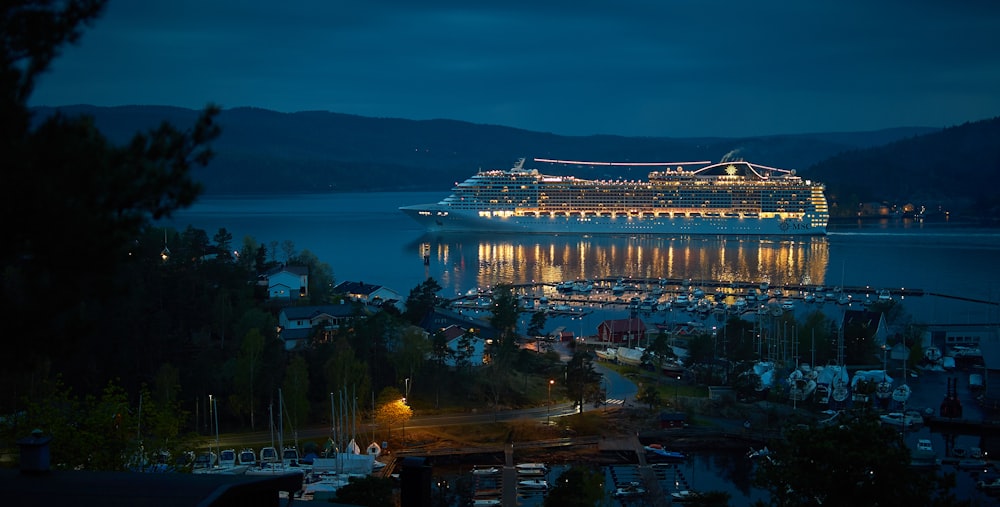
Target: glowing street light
548,411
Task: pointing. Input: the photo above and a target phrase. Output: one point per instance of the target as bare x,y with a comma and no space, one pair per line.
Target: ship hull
437,218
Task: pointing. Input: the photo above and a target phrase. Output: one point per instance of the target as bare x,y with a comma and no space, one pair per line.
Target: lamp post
548,411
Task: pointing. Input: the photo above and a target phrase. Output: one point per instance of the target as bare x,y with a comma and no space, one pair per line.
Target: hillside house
300,325
369,294
287,283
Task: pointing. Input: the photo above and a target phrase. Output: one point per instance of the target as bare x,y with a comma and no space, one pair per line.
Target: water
363,237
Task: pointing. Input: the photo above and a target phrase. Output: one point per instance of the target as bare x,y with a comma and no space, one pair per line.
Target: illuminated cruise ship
734,197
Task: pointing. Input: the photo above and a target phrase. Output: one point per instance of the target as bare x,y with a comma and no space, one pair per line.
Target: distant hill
263,151
957,167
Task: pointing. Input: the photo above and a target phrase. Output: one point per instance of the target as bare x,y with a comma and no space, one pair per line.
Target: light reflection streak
471,261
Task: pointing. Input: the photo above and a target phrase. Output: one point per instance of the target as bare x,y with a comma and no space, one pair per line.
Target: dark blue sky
677,68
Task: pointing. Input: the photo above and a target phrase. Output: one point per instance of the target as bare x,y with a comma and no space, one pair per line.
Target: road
617,387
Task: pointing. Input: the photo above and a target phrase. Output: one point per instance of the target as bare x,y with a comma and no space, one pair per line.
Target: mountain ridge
264,151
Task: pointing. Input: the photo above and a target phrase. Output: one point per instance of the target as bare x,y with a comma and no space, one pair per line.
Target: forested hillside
958,167
263,151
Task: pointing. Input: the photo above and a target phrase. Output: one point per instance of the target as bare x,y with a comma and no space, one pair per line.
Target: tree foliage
859,462
583,383
103,197
369,491
578,486
422,299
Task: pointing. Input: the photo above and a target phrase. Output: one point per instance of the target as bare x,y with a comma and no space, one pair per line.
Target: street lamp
548,411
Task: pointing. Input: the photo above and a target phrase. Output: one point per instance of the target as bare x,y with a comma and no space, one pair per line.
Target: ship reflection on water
466,261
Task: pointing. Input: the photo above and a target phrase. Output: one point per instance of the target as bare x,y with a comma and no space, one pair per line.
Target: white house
288,283
373,295
298,324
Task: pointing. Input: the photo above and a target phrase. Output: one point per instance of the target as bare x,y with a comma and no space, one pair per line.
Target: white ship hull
731,198
437,218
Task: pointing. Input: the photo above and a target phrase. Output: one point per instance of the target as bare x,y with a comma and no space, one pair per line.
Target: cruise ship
731,197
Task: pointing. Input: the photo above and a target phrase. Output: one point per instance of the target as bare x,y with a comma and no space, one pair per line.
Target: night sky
678,68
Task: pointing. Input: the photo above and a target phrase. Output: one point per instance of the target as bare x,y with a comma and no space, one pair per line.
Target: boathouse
621,331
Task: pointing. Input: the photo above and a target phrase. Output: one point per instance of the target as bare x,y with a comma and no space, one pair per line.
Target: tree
369,491
295,391
103,196
660,351
320,277
583,383
578,486
649,395
248,365
537,323
858,462
422,299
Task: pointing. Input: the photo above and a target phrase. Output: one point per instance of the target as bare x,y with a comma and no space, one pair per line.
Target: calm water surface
363,237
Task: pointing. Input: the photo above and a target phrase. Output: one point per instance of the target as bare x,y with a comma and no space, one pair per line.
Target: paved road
619,391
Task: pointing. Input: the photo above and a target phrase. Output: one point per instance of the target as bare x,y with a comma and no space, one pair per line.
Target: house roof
624,325
311,312
295,270
355,288
121,489
441,318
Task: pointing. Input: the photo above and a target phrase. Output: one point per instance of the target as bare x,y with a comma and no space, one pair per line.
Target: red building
621,331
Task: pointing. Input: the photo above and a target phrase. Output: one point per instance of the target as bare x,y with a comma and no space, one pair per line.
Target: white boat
923,456
608,354
629,489
629,356
932,354
533,483
685,495
531,468
671,200
901,393
485,470
227,458
269,455
247,457
900,419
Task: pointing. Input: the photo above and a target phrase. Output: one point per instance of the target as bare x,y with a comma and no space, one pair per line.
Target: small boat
685,495
901,393
227,458
531,468
247,457
485,470
269,455
533,484
629,490
900,419
989,485
932,354
483,502
971,464
924,455
290,457
655,452
608,354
